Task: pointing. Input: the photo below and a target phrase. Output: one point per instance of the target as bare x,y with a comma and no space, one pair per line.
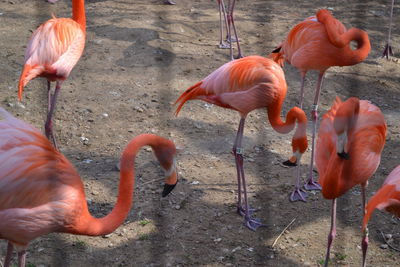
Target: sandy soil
139,56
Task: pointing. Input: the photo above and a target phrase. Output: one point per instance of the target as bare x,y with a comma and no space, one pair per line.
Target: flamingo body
348,152
244,85
41,192
365,145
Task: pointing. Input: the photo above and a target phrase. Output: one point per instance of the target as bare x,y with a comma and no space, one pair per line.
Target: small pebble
383,246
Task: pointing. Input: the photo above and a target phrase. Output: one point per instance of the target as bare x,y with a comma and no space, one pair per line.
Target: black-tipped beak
167,189
289,163
344,155
276,50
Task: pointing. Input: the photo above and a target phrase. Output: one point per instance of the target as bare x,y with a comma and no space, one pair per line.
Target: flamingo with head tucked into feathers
348,152
52,52
318,43
41,192
244,85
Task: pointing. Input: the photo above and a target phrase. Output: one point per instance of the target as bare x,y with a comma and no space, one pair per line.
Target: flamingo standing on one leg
227,18
244,85
41,192
349,146
53,50
387,197
319,43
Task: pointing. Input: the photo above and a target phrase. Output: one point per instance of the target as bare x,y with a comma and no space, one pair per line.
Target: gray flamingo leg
21,258
364,242
251,223
8,258
298,194
49,124
222,20
387,52
311,184
332,233
232,22
303,77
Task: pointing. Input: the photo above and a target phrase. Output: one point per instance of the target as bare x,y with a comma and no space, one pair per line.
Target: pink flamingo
41,192
244,85
349,146
52,52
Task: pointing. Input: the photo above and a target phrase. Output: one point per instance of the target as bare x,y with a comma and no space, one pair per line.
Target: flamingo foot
298,195
169,2
387,52
253,223
233,39
242,211
223,45
311,185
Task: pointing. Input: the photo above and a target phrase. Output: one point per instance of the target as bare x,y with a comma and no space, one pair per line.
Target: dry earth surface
139,56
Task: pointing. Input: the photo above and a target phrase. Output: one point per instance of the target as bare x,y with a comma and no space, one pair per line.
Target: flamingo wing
32,172
54,49
240,85
387,197
57,44
326,142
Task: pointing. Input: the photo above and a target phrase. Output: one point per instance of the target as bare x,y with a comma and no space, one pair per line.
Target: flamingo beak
290,162
341,145
167,189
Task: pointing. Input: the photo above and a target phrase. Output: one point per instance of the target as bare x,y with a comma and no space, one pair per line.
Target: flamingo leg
8,258
251,223
388,48
332,233
21,258
48,96
49,124
311,184
303,77
364,242
232,22
222,19
298,194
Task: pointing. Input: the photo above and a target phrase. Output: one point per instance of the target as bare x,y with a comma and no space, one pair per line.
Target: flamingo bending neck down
318,43
348,152
52,52
41,192
244,85
387,198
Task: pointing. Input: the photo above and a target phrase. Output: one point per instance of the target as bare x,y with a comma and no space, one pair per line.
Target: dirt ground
139,56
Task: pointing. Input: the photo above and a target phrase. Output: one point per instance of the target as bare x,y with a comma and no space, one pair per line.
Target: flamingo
53,50
318,43
387,197
227,18
244,85
388,48
349,146
41,192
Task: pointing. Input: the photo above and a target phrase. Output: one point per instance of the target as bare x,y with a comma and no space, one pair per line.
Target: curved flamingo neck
78,13
342,40
89,225
274,117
